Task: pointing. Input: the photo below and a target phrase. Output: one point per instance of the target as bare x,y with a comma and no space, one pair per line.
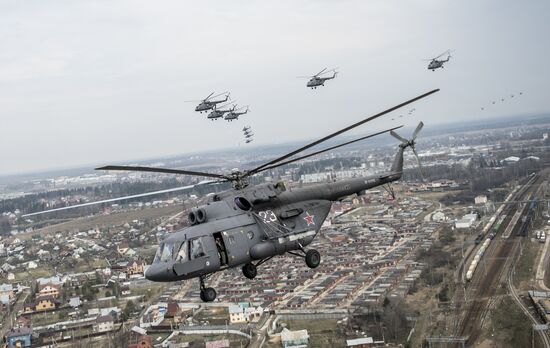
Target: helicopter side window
182,253
197,249
167,252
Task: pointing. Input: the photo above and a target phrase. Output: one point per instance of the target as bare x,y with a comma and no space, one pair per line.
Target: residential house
143,341
20,337
135,267
242,313
122,248
7,290
104,323
48,289
172,309
294,339
75,302
45,304
236,314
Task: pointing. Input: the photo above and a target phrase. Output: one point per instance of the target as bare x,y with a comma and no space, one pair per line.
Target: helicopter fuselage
317,81
254,224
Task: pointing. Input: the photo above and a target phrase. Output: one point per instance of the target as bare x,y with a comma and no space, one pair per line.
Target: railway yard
486,278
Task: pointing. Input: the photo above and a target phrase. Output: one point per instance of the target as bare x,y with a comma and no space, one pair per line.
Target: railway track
489,281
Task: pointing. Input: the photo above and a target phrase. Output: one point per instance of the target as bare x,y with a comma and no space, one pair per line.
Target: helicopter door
220,246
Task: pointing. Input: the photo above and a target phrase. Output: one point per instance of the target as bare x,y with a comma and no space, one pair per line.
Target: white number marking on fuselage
268,216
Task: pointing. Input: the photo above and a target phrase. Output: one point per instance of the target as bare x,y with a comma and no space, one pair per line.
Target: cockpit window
158,253
182,253
167,252
197,249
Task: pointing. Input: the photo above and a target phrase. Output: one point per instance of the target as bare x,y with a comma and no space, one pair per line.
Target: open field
85,223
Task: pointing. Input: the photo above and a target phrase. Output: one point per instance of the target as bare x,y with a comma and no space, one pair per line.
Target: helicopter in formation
218,112
436,63
318,79
248,135
207,103
248,225
234,113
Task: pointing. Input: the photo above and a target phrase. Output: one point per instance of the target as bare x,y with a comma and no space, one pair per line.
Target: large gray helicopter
234,113
207,103
436,63
218,112
248,225
318,80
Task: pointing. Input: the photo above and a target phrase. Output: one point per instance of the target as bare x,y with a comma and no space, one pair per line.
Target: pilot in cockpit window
182,254
167,252
196,248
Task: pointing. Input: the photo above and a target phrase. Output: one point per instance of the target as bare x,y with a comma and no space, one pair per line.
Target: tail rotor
412,144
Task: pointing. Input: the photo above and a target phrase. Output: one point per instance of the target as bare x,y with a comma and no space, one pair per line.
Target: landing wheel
313,258
250,271
208,294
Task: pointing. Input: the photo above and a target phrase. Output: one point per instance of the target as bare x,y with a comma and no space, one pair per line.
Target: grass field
85,223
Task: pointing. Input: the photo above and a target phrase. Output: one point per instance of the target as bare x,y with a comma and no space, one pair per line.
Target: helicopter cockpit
171,253
179,252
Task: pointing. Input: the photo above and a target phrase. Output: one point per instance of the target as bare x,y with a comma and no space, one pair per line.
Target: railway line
488,283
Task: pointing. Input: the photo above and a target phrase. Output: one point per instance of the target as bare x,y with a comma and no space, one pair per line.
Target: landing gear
206,294
313,258
250,270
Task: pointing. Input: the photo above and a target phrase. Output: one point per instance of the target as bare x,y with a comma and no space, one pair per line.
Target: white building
481,199
467,221
104,323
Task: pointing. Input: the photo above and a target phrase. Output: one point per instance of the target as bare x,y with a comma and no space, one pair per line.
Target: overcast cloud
84,82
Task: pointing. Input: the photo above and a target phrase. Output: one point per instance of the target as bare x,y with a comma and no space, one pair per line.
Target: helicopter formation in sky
248,135
228,113
436,63
502,100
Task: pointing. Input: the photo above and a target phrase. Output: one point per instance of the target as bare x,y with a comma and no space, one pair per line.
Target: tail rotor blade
398,137
419,164
417,130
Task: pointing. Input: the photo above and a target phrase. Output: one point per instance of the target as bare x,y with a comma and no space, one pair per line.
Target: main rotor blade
320,72
205,99
217,95
182,188
444,53
398,137
162,170
330,136
328,149
417,130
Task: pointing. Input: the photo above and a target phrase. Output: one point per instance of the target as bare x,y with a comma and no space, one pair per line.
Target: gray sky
84,82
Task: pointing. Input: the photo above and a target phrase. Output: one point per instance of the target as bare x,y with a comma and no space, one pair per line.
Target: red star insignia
309,219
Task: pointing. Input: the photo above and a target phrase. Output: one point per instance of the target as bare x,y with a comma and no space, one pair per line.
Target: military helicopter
246,128
217,112
234,114
207,104
317,79
436,64
249,140
248,225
